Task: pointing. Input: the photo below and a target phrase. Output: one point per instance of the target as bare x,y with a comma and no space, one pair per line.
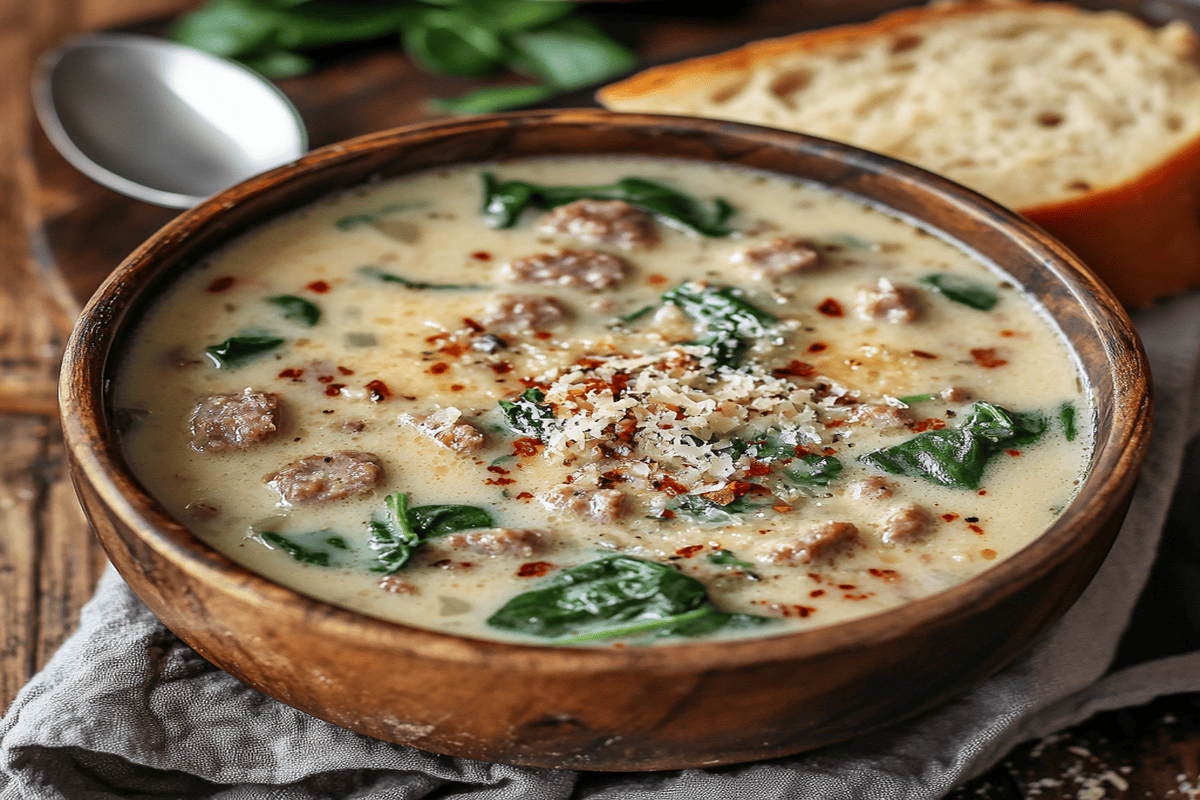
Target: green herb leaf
395,538
571,53
728,319
702,509
388,277
504,202
913,399
496,98
447,42
962,290
1066,418
304,547
724,558
813,472
237,350
616,596
527,414
297,308
957,457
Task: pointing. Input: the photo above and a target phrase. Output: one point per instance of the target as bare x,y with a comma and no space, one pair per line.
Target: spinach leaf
616,596
352,221
1066,418
702,509
237,350
813,472
527,415
724,558
305,547
388,277
297,308
547,41
503,203
728,319
962,290
913,399
957,457
396,537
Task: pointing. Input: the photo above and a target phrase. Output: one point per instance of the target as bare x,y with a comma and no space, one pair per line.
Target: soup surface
595,401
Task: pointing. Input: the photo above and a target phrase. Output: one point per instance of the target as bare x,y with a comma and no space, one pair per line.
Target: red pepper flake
291,372
497,469
797,369
439,368
1013,453
667,514
543,335
922,354
613,476
473,325
986,357
781,508
499,482
834,423
817,593
525,496
977,529
220,284
1007,334
325,379
527,446
829,451
320,287
889,575
689,551
437,337
457,387
817,347
787,611
982,491
334,389
379,391
481,255
846,587
501,368
831,308
988,554
534,569
345,370
732,491
931,424
863,596
756,468
656,279
454,349
950,517
670,486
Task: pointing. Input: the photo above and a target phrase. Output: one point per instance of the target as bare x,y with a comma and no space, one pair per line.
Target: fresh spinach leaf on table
547,41
617,596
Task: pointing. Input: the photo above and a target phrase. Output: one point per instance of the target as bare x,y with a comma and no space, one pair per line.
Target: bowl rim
85,379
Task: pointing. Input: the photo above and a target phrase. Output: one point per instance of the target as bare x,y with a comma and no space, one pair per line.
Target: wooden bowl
665,707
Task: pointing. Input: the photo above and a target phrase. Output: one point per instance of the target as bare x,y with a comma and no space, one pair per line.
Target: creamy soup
603,401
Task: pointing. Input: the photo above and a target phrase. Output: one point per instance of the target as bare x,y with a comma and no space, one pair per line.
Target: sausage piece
598,505
524,312
319,479
823,541
783,255
603,222
223,422
890,301
906,524
497,542
571,269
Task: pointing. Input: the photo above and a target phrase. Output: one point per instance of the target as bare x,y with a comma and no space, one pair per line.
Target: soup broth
603,400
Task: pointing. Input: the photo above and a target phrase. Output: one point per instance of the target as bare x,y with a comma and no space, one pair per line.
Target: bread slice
1086,122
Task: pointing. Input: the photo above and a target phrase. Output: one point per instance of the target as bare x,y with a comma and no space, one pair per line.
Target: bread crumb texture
1032,104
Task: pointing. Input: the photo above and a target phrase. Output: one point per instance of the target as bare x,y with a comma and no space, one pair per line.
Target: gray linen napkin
124,709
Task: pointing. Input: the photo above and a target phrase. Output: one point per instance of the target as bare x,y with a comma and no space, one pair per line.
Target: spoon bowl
161,122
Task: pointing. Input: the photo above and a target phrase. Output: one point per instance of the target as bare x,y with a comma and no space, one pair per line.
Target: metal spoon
159,121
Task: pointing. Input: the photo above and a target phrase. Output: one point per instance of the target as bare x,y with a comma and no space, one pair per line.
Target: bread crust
1141,237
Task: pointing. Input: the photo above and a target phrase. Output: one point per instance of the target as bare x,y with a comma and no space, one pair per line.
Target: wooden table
60,234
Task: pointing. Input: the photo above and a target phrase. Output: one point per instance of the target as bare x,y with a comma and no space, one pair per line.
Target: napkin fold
126,710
